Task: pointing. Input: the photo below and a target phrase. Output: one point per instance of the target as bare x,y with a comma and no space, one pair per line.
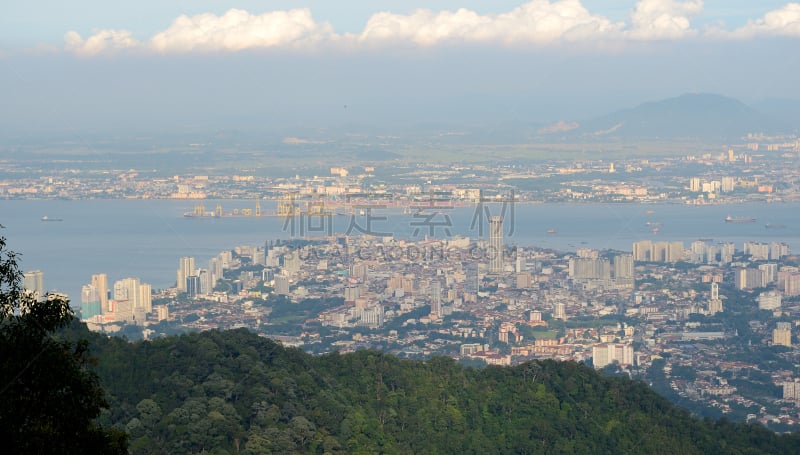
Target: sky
94,65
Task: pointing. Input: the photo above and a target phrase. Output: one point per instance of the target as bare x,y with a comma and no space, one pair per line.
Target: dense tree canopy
49,399
236,392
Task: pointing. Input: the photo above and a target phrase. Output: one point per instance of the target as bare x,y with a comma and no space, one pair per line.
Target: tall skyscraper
145,297
185,269
90,302
33,282
496,244
215,270
193,285
127,290
100,282
715,304
623,270
471,279
641,250
436,299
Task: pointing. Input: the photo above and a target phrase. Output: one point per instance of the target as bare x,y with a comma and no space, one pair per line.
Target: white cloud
102,41
538,21
663,19
784,21
238,30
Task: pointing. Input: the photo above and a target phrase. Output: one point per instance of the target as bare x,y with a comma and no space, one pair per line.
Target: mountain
689,116
228,392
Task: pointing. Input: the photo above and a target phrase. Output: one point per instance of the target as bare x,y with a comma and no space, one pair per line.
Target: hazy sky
98,65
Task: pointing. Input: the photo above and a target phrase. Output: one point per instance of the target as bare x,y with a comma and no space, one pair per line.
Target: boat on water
775,226
730,219
654,224
552,231
656,230
47,218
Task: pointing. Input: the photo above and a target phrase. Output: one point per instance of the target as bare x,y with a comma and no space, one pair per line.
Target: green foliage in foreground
235,392
49,396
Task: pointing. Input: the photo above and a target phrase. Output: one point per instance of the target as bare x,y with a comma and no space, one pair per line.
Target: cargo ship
730,219
47,218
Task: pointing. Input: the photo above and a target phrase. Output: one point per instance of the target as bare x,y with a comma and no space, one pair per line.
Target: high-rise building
162,312
727,252
436,299
193,285
782,334
586,270
790,283
623,266
33,282
360,271
185,269
90,302
351,292
291,263
641,250
715,303
145,297
675,252
282,285
758,251
560,311
206,281
226,257
524,280
606,354
748,279
694,184
728,184
215,270
496,244
127,290
769,301
623,270
778,250
471,279
100,282
791,390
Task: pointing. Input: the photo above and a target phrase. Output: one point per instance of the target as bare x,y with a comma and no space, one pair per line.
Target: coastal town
712,325
740,173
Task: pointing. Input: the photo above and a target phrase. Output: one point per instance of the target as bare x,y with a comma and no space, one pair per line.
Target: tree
49,398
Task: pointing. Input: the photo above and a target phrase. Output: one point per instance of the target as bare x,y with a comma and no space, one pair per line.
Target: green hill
235,392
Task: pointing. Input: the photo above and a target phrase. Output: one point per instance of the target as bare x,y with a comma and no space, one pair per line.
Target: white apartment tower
496,244
185,269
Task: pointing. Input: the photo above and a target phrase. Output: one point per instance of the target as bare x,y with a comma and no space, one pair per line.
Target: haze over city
545,226
93,67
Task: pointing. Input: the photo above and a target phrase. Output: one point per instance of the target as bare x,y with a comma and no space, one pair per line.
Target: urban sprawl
714,324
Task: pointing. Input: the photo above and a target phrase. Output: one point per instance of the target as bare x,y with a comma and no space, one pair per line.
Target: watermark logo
431,216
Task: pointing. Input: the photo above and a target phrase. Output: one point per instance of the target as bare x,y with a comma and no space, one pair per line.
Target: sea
146,238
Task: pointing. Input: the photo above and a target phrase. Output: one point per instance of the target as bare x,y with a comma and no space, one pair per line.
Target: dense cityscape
710,324
510,227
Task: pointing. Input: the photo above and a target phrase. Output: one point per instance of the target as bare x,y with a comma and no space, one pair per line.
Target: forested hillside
234,392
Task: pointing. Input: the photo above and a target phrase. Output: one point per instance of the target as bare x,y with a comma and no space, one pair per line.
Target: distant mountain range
689,116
